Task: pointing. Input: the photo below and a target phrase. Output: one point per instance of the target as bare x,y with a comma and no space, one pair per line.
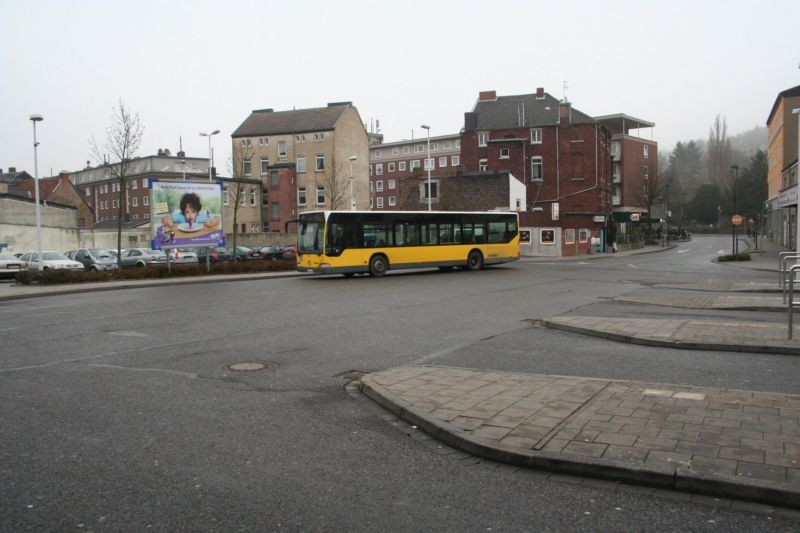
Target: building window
379,169
446,145
281,149
89,190
263,141
253,196
419,148
434,191
536,169
320,163
583,235
483,138
276,211
377,153
442,161
402,166
379,185
429,164
391,167
300,138
135,202
135,216
253,228
380,201
319,137
147,215
264,165
569,236
434,147
536,136
415,164
146,200
455,160
301,196
371,203
483,165
248,166
134,184
392,184
320,195
392,200
406,149
370,186
245,142
301,164
645,151
505,153
144,183
274,179
264,198
395,151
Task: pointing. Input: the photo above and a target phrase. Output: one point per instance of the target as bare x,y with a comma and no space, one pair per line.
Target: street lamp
352,198
35,119
735,244
428,162
209,149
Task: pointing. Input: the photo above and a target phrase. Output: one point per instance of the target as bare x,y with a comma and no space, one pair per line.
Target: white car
10,265
50,260
183,256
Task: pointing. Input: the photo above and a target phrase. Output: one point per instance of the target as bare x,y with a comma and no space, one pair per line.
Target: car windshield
154,252
7,257
99,252
309,233
52,256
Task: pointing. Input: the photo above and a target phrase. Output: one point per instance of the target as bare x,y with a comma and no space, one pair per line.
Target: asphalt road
118,412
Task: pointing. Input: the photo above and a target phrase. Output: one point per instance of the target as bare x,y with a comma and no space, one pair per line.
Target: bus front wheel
474,260
378,266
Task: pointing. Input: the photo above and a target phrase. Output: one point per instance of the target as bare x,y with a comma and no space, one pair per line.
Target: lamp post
428,162
352,198
37,118
209,149
735,177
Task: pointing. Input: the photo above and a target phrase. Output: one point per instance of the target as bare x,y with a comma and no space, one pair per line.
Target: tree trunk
121,183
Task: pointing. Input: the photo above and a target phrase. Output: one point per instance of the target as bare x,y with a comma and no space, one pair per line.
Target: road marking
684,251
633,266
140,369
584,262
124,333
720,252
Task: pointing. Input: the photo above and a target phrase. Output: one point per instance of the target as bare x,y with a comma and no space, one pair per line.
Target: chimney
1,170
64,177
565,112
470,121
12,170
486,96
540,93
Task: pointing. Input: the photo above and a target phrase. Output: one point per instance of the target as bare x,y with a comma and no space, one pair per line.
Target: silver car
95,259
10,265
183,256
50,260
142,257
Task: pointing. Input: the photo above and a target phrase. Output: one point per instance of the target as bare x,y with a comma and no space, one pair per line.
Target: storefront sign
555,211
787,197
598,218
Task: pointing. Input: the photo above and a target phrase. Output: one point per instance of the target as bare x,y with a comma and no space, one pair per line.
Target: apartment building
782,174
392,162
561,155
306,159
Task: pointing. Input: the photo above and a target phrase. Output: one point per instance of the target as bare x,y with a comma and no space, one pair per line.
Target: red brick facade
279,197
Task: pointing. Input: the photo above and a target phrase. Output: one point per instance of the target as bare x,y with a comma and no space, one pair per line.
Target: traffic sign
736,219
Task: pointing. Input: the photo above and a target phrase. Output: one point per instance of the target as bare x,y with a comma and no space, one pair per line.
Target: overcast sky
187,67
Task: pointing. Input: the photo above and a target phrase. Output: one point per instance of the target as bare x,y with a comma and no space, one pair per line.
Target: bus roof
327,212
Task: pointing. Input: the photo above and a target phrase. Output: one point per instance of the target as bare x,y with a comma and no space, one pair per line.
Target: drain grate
247,367
352,375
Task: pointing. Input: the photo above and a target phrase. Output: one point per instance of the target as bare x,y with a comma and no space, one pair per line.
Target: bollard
785,257
792,271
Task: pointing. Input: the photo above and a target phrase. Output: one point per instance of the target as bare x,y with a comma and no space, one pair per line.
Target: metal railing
783,259
792,271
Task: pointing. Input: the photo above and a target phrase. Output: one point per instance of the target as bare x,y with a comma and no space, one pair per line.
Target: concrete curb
120,285
592,257
661,343
680,478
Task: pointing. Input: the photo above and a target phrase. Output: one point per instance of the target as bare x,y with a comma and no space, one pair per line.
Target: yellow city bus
352,242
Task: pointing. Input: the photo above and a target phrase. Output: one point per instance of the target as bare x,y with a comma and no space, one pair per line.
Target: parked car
10,265
218,254
272,252
50,260
290,253
95,259
142,257
243,253
183,256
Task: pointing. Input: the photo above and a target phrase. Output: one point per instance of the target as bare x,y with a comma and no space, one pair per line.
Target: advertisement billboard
185,214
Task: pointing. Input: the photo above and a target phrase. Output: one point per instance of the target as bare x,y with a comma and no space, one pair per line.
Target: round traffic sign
736,219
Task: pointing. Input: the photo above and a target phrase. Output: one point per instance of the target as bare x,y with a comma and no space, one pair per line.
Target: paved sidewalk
16,292
739,444
713,301
728,335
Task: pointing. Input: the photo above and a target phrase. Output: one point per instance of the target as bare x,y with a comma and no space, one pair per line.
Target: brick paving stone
654,443
710,465
702,429
763,445
635,429
669,458
530,432
595,425
779,459
663,424
694,448
650,415
721,423
555,445
625,453
763,427
704,412
742,434
716,438
683,435
519,442
545,421
491,432
741,454
585,448
466,423
775,474
793,477
615,438
685,419
587,436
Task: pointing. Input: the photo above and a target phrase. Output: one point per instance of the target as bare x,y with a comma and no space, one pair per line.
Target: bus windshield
309,233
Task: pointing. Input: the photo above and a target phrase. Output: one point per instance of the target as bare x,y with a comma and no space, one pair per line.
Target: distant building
469,191
782,174
303,159
392,162
60,190
559,153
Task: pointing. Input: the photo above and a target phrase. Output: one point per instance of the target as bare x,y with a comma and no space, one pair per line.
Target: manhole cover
352,375
246,367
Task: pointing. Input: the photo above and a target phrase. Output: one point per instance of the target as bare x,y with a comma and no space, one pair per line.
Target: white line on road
720,252
139,369
684,251
633,266
125,333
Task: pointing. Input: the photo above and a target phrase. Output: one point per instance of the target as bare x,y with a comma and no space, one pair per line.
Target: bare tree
123,139
654,190
240,168
336,182
719,152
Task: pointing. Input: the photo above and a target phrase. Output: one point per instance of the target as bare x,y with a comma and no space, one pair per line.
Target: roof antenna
565,90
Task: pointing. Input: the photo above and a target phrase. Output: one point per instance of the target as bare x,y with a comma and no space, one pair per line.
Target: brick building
467,191
559,153
782,170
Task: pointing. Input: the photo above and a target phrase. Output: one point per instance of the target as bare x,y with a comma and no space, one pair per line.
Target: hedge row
49,277
744,256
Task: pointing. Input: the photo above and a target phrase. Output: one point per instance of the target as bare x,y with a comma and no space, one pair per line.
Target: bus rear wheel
474,260
378,266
